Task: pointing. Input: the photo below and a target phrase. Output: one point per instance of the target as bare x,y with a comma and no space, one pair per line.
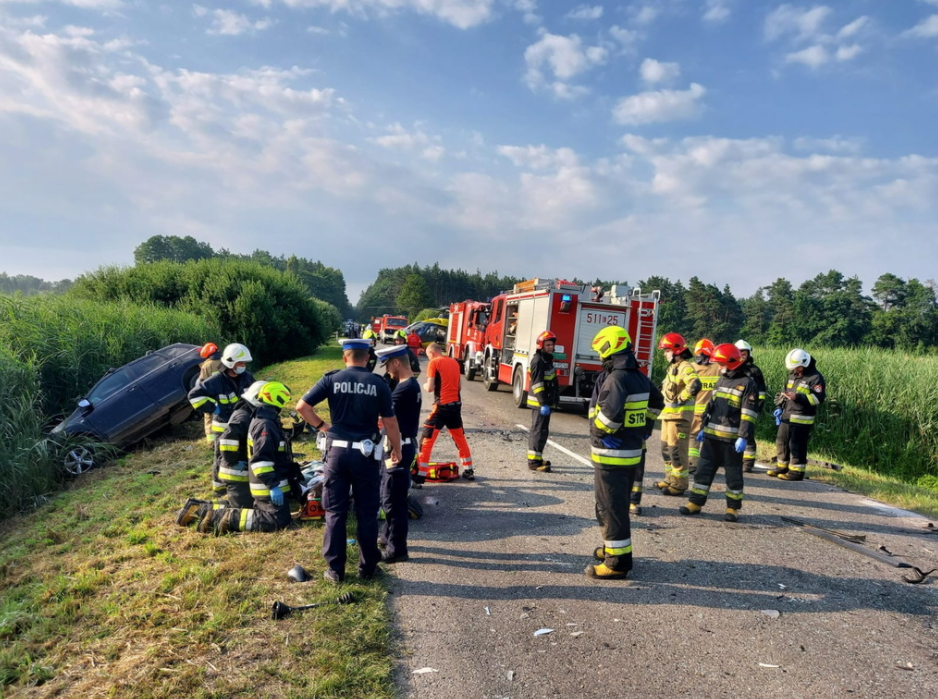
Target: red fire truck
574,313
387,325
465,337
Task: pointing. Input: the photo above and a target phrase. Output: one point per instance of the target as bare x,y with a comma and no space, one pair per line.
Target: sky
735,140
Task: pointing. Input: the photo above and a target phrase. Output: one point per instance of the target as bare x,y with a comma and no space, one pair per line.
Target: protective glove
276,496
217,410
612,442
700,436
242,465
778,416
740,445
545,410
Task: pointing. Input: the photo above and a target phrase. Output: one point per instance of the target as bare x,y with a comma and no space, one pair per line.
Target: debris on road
771,613
543,632
767,665
425,670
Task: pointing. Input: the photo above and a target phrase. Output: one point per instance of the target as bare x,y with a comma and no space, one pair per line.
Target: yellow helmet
275,394
611,340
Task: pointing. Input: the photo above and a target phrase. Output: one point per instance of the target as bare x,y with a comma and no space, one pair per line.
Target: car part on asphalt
282,611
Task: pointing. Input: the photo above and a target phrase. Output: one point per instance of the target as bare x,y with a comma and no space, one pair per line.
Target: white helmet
235,353
796,358
250,395
743,345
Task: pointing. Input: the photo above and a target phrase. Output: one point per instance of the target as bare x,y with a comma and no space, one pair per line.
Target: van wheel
517,389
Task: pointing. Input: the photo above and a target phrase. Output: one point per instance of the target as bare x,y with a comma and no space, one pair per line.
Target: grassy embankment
103,595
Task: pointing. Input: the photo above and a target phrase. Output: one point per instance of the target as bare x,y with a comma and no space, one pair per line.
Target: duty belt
366,446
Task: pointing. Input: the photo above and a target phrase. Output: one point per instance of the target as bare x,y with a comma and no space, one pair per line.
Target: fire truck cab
574,313
465,338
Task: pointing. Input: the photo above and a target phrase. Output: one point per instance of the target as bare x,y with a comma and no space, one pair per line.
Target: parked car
430,330
131,403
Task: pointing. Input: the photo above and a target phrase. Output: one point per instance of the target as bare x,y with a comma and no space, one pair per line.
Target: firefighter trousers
613,487
347,468
218,485
450,417
264,516
715,453
537,437
636,497
693,447
238,494
395,482
674,445
791,445
749,456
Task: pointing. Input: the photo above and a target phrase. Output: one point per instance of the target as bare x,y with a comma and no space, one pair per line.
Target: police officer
755,373
270,464
395,477
219,393
400,338
795,414
357,398
543,394
623,408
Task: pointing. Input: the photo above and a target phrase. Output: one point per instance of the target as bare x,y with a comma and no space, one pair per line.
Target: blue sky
735,140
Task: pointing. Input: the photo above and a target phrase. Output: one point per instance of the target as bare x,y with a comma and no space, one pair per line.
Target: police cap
391,352
354,343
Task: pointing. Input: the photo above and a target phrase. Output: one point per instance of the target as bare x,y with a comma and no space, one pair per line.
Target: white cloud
586,12
459,13
802,24
228,23
627,37
853,27
644,15
528,10
83,4
717,10
539,157
426,146
926,29
846,53
660,105
835,144
653,71
565,57
813,56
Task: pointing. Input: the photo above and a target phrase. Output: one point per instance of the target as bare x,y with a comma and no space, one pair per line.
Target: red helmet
208,349
544,337
673,342
727,355
704,347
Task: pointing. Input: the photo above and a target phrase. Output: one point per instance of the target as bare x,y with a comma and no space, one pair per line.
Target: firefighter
270,463
708,372
212,356
543,395
217,395
728,420
443,381
369,334
357,398
395,477
795,414
755,373
679,387
623,408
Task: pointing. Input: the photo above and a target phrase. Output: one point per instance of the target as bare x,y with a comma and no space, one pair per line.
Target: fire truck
387,325
574,313
465,337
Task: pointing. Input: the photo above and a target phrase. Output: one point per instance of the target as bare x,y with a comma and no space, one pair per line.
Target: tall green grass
52,350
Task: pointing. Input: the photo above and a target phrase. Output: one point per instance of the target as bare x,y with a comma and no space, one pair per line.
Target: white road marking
563,449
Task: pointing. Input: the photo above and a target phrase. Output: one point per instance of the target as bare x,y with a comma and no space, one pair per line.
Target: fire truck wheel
490,374
470,366
517,389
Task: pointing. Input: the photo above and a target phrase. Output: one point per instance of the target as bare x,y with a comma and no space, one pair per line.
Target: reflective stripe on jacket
542,388
731,412
679,387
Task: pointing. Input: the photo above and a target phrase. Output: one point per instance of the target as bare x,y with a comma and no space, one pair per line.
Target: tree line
30,286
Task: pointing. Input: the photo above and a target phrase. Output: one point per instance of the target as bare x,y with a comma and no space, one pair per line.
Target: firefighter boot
209,519
635,509
227,521
188,513
792,474
690,509
600,571
778,470
748,465
678,483
661,485
731,515
599,553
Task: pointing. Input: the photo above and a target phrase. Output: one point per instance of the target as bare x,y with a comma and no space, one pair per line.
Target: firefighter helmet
674,342
797,357
544,337
727,355
704,347
743,345
234,353
208,349
274,393
611,340
250,395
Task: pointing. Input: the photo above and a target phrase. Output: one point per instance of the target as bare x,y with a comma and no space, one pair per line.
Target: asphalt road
758,608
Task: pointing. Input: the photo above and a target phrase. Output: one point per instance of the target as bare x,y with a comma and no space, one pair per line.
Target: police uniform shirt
356,399
407,403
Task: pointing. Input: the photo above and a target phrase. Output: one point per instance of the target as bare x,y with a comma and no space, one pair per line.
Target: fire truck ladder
647,323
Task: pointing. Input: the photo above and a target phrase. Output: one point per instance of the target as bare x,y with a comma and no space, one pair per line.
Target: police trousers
613,486
395,482
715,453
347,469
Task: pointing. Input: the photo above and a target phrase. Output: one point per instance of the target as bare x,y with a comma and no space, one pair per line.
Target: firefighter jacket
755,373
232,455
731,412
218,394
679,387
809,394
624,405
708,374
270,459
209,367
543,387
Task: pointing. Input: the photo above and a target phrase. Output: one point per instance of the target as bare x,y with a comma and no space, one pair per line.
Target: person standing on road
708,372
218,394
443,381
728,420
543,395
623,407
400,338
795,414
679,387
395,477
357,398
212,356
755,373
